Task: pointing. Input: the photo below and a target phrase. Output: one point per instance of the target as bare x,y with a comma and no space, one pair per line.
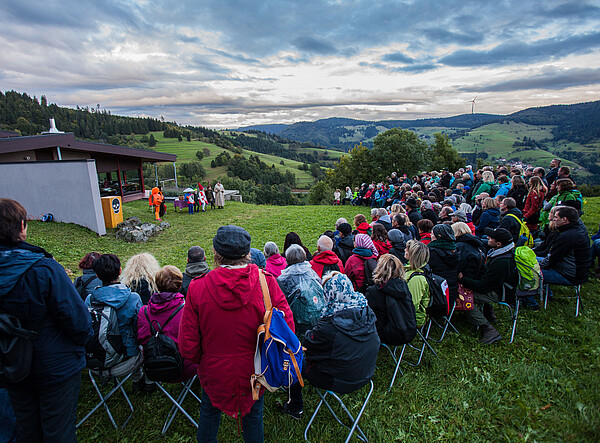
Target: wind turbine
473,105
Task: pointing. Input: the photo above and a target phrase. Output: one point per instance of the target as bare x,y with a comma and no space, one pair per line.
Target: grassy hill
543,387
186,152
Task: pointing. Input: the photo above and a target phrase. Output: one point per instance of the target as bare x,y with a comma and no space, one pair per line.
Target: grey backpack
106,348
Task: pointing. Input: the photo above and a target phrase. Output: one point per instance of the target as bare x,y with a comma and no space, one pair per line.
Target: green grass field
543,387
186,152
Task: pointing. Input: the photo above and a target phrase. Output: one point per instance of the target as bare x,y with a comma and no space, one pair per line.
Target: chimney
53,129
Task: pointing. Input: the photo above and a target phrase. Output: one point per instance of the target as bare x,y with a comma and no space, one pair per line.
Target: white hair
340,221
324,243
270,249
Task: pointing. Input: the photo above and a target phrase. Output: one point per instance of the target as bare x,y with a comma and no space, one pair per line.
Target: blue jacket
127,305
37,290
504,188
490,218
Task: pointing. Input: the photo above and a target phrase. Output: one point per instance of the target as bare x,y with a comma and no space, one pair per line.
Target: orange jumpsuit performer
155,200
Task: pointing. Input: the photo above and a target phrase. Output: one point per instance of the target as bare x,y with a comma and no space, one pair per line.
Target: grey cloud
570,9
237,57
205,64
444,36
397,57
554,79
521,52
315,46
416,69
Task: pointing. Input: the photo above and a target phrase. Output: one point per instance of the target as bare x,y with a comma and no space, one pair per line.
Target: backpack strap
160,328
267,299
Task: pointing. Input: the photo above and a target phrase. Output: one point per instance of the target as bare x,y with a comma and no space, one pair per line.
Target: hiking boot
285,408
489,334
488,313
142,386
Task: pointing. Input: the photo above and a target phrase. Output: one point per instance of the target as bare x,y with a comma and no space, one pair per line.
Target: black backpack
370,265
81,284
16,349
439,294
494,190
162,360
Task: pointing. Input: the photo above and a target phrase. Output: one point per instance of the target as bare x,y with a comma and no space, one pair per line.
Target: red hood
326,258
232,288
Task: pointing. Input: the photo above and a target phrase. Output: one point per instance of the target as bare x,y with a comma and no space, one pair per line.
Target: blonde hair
487,176
141,267
418,254
488,203
460,228
388,267
537,185
168,279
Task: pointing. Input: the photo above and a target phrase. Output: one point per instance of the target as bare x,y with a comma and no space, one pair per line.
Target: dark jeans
476,316
210,419
46,413
7,418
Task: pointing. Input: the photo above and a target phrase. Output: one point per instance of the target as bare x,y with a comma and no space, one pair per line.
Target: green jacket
572,195
419,291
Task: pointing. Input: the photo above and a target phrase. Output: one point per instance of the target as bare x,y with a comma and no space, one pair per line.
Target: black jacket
519,193
498,270
398,251
414,216
471,255
395,311
344,248
571,245
341,350
430,215
445,264
511,224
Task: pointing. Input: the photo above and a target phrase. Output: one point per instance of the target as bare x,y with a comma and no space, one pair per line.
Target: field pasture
542,387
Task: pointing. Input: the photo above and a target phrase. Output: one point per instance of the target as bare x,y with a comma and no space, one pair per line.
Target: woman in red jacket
364,250
222,312
534,202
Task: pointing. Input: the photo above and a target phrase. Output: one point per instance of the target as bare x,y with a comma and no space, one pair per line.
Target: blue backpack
278,356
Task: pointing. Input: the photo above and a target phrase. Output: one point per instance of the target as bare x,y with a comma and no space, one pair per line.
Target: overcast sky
228,63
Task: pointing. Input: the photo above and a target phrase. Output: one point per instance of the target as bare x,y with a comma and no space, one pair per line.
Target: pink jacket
223,311
275,264
160,307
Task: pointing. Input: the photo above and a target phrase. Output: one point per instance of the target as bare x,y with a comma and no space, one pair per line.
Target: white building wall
66,189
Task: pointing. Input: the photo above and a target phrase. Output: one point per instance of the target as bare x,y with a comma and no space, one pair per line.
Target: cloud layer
225,63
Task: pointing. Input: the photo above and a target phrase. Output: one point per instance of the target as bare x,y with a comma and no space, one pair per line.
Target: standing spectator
139,273
210,196
36,289
275,262
218,331
86,283
337,195
196,266
219,195
534,203
325,259
487,184
443,258
500,269
504,188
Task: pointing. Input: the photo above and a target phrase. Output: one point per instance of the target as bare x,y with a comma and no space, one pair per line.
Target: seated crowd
365,285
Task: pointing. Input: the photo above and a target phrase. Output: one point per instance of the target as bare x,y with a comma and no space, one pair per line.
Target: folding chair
397,360
513,310
118,375
577,296
177,403
354,427
424,337
446,322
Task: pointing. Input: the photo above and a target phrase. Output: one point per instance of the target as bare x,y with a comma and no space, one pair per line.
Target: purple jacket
160,307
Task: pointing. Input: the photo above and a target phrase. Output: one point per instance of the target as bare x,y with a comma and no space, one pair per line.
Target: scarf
339,294
502,250
448,245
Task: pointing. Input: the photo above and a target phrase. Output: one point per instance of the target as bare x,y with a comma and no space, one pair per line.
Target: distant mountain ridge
578,123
